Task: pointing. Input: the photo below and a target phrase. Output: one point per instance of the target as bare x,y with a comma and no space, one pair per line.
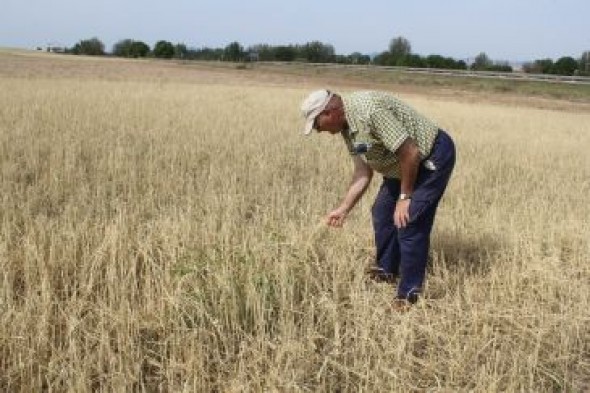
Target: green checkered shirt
378,125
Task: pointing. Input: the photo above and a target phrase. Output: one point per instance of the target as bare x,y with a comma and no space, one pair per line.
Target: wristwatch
405,197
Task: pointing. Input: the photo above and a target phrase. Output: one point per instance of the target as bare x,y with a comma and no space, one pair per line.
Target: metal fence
446,72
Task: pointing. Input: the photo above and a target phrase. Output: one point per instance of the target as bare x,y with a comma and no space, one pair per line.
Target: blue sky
505,29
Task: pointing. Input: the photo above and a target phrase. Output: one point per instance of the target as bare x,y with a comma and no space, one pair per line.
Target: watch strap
404,197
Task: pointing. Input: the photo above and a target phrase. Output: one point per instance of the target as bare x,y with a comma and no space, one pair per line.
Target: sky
506,30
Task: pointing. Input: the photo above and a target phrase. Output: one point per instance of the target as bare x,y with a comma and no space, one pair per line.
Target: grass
431,82
162,230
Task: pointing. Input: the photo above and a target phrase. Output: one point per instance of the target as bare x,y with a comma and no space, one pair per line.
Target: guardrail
505,75
447,72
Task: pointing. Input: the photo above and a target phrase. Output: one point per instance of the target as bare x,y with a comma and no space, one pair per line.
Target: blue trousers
404,252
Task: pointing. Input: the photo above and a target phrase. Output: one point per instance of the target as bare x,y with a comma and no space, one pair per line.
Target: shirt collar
352,129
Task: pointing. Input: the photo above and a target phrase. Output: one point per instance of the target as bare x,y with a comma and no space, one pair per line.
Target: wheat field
161,230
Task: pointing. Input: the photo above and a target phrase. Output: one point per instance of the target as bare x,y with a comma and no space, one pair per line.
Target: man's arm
409,161
361,179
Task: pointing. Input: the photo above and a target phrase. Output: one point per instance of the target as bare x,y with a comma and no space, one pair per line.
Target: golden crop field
161,230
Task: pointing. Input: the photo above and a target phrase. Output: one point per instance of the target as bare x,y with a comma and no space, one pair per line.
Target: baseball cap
313,105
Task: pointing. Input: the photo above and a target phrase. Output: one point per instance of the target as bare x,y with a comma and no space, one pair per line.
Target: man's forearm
409,172
361,179
357,188
409,160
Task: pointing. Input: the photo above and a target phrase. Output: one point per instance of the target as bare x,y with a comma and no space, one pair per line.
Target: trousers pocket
417,209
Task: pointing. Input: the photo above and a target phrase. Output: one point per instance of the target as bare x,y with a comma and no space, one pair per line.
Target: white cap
313,105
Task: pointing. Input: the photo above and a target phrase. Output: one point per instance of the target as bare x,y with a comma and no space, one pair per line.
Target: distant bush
565,66
399,54
584,64
233,52
91,47
163,50
131,48
318,52
484,63
180,51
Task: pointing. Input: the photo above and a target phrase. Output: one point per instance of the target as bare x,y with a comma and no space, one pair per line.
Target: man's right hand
336,218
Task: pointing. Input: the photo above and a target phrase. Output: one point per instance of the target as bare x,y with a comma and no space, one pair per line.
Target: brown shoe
377,274
400,306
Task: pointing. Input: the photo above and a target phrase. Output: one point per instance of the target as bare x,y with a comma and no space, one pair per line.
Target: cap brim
308,126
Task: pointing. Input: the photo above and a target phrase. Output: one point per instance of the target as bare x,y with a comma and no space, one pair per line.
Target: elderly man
416,159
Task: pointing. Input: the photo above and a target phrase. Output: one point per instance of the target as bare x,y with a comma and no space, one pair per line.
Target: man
416,159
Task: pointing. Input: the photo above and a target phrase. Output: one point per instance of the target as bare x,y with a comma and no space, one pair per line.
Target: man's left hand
401,216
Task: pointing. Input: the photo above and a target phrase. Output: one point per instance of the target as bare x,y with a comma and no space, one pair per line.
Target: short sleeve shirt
378,124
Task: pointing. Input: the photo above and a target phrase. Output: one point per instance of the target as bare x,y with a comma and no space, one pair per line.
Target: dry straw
164,233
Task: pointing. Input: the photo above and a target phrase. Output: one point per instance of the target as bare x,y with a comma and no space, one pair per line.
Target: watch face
361,148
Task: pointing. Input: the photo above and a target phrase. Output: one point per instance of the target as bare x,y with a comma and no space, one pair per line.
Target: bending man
416,159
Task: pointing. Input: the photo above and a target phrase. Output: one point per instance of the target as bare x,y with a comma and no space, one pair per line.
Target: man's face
331,119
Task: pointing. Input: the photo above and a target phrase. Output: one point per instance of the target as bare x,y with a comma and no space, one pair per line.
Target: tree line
399,53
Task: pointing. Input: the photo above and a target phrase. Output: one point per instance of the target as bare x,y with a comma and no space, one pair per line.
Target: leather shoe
377,274
400,306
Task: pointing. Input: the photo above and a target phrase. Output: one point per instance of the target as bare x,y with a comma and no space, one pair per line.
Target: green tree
399,49
131,48
501,66
584,63
400,46
140,49
285,53
565,66
91,47
382,59
539,66
482,62
543,66
163,50
435,61
411,60
318,52
265,52
233,52
180,51
461,65
207,54
122,48
359,58
341,59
